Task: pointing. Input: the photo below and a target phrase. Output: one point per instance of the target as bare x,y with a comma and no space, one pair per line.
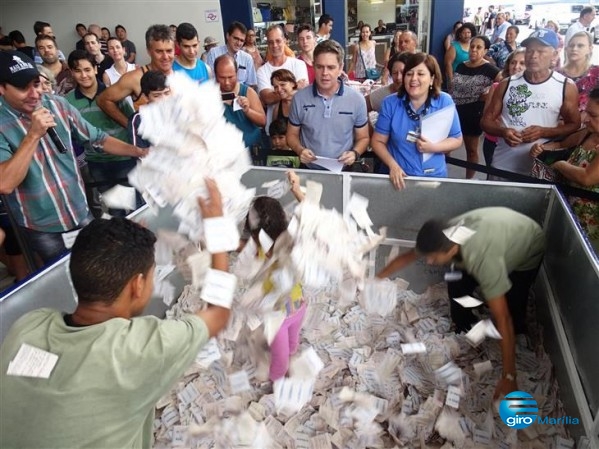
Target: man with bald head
93,28
408,41
249,117
501,26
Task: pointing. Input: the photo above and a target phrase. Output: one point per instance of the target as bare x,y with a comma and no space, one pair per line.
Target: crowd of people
526,98
69,128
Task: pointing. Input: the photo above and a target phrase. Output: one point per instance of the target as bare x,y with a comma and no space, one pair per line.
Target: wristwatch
356,154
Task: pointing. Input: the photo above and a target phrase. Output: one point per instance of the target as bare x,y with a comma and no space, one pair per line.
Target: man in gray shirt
327,119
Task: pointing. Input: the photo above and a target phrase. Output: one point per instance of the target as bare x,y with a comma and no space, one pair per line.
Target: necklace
414,115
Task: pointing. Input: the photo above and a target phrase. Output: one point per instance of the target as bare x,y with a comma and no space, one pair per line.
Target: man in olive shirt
113,364
499,250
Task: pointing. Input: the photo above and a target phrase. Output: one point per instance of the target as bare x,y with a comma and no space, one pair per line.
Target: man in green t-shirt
113,364
499,250
106,169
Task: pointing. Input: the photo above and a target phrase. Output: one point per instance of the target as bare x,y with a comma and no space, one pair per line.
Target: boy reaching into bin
499,250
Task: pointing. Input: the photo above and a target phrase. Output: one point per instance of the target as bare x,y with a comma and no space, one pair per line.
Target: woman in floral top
578,67
582,167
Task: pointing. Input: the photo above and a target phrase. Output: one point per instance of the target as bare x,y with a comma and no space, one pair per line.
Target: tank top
114,76
461,55
140,100
366,60
526,104
251,133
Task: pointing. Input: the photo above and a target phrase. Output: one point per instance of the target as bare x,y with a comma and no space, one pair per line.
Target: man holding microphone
38,173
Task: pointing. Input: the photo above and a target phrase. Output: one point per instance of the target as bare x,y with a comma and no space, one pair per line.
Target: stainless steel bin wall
568,286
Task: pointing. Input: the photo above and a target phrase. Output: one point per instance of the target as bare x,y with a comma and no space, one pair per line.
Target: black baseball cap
17,69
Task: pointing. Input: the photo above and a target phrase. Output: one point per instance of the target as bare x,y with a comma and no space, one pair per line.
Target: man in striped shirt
38,173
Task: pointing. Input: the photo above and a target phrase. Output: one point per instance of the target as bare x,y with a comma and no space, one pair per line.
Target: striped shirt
90,111
246,72
51,198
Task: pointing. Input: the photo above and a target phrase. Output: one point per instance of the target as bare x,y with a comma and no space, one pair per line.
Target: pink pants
286,343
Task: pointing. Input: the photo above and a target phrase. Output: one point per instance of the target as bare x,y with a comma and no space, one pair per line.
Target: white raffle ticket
219,288
277,189
265,241
221,234
481,330
413,348
32,362
120,197
239,382
453,396
468,301
68,238
313,192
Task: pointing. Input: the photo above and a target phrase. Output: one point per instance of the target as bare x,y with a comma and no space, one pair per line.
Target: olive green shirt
505,241
105,385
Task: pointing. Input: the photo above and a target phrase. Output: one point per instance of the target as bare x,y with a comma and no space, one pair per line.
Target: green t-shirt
505,241
103,389
91,112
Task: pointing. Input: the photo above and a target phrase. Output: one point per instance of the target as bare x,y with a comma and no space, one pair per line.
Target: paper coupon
453,396
32,362
69,238
120,197
413,348
468,301
221,234
219,288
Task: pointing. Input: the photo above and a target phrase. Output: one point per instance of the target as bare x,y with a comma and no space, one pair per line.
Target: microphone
56,140
54,136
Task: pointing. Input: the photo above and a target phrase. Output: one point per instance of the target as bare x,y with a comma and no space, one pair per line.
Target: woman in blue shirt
397,140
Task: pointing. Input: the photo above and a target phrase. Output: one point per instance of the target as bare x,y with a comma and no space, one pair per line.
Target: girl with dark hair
266,222
364,56
285,85
458,51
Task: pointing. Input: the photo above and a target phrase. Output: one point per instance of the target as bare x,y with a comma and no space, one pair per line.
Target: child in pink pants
266,214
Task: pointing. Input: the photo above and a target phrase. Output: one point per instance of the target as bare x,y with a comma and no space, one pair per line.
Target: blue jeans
110,174
48,245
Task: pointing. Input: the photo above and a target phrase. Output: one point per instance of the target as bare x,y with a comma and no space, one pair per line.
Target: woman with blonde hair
578,66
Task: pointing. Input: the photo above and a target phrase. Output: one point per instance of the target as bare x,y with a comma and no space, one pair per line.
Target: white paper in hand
219,287
120,197
221,234
313,192
278,189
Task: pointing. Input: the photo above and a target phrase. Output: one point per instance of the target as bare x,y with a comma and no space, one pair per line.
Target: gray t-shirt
327,125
